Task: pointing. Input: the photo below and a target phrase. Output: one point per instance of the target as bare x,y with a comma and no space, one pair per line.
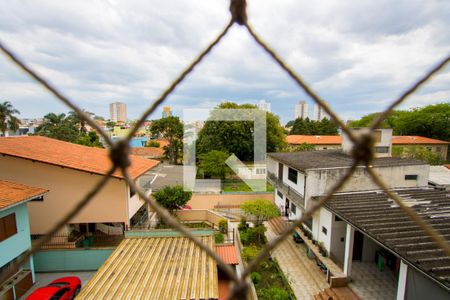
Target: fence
82,241
362,151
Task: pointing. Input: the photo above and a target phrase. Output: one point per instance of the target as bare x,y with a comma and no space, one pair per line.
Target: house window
324,230
280,194
410,177
292,175
8,226
438,149
293,209
382,149
260,171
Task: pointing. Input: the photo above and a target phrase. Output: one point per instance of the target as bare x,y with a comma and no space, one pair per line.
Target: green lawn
240,186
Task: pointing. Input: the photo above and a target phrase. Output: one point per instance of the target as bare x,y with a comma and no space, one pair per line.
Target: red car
64,288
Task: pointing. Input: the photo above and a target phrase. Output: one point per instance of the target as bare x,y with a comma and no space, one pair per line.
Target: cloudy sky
358,55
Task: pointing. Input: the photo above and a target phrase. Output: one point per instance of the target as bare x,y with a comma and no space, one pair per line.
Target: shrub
274,293
256,277
243,224
249,253
223,226
152,144
244,238
218,237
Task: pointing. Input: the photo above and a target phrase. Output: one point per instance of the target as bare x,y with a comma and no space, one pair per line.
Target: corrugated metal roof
376,215
228,254
156,268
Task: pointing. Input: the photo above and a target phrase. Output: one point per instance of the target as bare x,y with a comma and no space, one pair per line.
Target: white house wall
337,234
320,180
300,185
325,220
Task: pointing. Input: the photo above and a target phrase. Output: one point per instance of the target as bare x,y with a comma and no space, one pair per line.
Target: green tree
7,118
172,197
311,127
80,123
212,164
58,127
237,137
261,210
110,124
299,148
419,153
170,129
67,128
431,121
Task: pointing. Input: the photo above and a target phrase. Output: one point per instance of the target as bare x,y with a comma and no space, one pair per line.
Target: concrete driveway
42,279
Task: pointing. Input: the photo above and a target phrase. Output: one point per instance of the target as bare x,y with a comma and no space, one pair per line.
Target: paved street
303,274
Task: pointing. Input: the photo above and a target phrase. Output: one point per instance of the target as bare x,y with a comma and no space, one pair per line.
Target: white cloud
359,55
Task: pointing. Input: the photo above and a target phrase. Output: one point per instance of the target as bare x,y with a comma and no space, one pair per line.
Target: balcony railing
286,190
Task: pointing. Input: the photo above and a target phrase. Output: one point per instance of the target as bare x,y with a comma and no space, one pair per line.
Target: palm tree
58,127
7,118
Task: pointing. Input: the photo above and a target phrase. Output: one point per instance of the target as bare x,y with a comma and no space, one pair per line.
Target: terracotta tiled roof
228,254
337,140
64,154
448,166
314,139
12,193
406,139
147,151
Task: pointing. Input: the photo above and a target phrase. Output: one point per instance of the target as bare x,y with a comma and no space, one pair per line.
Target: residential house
15,237
70,171
327,142
148,152
349,226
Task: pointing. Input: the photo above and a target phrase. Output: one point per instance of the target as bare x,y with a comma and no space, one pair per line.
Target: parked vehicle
64,288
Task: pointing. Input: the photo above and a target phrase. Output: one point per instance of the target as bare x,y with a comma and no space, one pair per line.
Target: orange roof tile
228,254
314,139
448,166
12,193
406,139
64,154
147,151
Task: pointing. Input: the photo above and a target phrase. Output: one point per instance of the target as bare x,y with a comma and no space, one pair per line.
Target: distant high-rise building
263,105
319,113
166,112
118,111
301,110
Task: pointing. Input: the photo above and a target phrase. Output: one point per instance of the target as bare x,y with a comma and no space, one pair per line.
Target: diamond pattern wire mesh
119,151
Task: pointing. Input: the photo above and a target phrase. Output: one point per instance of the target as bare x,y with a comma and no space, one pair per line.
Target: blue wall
70,259
20,242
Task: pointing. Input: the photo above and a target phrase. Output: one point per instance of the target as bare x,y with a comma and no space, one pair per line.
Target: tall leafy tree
431,121
212,164
237,137
170,129
79,122
8,120
58,126
312,127
67,128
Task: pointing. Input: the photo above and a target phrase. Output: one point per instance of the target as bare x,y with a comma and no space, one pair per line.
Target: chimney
382,141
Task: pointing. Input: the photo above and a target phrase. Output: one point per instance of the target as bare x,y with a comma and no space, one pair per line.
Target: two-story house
70,171
15,237
348,227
